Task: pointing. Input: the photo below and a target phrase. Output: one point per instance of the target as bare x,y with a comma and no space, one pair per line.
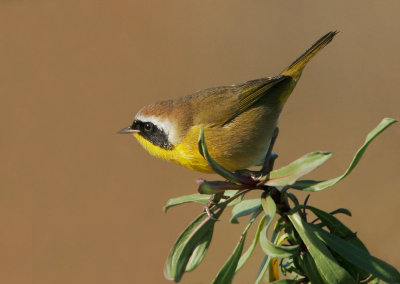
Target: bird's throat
185,154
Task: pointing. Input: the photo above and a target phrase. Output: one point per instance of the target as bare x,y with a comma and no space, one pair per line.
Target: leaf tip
390,120
234,221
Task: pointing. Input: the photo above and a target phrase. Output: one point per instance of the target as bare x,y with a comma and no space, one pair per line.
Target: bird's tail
295,69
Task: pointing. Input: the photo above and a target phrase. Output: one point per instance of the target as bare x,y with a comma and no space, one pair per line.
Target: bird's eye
148,127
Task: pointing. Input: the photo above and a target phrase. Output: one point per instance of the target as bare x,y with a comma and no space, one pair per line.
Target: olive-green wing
251,93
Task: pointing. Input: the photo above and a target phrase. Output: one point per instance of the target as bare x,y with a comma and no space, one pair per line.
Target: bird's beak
127,130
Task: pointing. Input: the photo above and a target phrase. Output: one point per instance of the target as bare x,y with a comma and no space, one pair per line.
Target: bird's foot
214,199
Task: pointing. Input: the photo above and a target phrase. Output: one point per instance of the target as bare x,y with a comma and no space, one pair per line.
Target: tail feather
295,69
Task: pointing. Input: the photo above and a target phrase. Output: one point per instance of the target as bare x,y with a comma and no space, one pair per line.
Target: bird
238,120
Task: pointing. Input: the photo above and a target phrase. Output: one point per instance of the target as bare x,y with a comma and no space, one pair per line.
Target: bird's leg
270,157
268,162
214,199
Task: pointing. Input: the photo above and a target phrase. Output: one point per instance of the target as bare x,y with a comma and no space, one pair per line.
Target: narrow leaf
295,170
293,198
327,266
243,259
231,193
274,250
269,247
336,227
191,238
310,269
199,253
285,281
263,268
269,207
244,208
359,257
356,272
225,275
213,187
227,272
196,197
312,185
342,211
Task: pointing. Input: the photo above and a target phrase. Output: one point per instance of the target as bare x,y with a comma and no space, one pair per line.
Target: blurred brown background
80,204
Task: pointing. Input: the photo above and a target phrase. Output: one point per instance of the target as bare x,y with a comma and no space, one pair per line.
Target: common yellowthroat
238,120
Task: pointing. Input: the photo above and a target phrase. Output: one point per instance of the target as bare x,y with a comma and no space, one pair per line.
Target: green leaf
293,266
275,250
327,266
190,239
199,253
342,211
267,259
359,257
244,208
227,272
312,185
373,281
356,272
310,269
283,238
243,259
196,197
215,187
269,247
263,268
295,170
269,207
293,198
236,178
291,233
336,227
225,275
231,193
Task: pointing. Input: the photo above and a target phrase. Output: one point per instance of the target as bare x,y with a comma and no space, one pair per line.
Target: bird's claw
209,213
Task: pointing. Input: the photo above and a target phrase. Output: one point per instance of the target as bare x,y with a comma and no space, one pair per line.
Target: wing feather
252,92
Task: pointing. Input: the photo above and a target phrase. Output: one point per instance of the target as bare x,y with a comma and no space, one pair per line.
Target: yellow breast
185,153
